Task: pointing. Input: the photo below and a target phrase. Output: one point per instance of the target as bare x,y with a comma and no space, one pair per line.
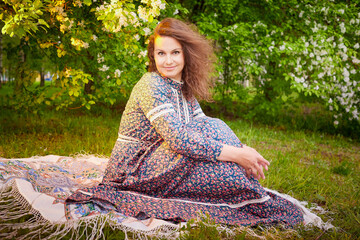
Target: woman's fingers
258,172
248,172
264,161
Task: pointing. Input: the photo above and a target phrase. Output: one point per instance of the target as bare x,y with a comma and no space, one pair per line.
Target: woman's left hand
247,157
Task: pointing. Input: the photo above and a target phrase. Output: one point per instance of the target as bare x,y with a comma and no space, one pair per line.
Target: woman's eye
160,53
176,52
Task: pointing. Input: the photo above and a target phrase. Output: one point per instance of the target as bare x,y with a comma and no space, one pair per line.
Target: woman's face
169,57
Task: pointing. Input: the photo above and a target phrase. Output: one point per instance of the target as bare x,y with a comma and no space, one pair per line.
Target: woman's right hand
247,157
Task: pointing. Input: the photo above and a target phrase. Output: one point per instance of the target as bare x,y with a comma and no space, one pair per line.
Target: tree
286,48
97,47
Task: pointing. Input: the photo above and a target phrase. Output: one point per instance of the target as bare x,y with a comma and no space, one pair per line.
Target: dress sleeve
198,112
159,110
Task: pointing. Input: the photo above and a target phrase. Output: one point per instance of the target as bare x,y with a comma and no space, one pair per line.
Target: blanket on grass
33,192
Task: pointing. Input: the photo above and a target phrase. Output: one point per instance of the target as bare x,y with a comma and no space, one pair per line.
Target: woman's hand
247,157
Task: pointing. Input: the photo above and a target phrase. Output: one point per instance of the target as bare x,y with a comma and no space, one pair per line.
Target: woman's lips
169,68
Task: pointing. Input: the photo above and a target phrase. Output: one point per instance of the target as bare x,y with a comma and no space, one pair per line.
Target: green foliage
305,47
97,48
22,17
297,51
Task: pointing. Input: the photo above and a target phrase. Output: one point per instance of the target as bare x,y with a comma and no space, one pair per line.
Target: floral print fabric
164,165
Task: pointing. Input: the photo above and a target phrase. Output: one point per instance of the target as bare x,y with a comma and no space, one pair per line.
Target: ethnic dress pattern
164,165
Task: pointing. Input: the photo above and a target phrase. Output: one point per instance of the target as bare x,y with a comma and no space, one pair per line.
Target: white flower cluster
117,73
78,3
142,54
321,62
104,68
100,58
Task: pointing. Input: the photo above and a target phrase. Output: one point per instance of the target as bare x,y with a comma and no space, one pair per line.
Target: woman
172,162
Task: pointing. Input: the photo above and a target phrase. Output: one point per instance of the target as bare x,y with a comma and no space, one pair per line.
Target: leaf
87,2
43,22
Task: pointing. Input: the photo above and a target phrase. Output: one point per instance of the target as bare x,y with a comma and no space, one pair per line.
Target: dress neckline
172,82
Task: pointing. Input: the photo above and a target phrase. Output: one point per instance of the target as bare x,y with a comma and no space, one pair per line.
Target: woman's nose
169,59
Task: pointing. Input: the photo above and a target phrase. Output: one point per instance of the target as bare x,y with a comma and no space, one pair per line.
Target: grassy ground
313,167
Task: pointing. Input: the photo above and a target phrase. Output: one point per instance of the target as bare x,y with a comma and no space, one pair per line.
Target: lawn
321,169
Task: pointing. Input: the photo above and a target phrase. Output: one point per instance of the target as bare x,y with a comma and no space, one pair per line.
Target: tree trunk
20,72
88,86
42,78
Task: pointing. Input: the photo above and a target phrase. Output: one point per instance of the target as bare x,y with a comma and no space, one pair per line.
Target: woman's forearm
246,157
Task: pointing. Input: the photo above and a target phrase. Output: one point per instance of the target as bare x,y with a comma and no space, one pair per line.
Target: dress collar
173,83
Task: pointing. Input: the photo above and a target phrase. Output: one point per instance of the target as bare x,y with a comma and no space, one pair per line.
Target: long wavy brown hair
198,56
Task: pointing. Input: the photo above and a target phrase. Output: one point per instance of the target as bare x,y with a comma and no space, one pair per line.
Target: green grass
314,167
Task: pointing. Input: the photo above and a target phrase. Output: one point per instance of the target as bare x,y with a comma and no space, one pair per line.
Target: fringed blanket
33,192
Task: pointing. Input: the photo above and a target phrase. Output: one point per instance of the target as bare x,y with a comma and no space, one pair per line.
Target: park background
287,83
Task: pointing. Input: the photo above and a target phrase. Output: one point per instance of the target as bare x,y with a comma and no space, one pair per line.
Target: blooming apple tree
287,48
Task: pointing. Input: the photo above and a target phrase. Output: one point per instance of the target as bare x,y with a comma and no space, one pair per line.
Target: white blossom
343,47
355,60
282,48
104,68
341,11
356,46
176,12
342,27
78,3
142,54
117,73
355,114
147,31
100,58
315,28
94,38
301,14
336,122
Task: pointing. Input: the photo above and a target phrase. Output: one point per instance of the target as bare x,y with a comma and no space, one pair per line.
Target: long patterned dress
164,165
